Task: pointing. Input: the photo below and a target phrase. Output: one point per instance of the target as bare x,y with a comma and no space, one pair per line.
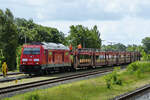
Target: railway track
131,95
5,91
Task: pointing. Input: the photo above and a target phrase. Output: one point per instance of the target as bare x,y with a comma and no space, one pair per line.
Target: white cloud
127,31
122,6
85,9
40,16
36,2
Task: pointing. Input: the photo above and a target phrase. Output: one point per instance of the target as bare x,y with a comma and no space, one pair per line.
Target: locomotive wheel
69,69
62,69
93,67
30,74
46,72
73,69
41,72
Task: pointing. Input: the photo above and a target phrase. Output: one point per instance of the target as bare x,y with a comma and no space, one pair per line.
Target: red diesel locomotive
38,58
47,57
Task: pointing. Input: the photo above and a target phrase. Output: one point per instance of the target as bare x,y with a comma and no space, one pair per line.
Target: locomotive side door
46,56
58,59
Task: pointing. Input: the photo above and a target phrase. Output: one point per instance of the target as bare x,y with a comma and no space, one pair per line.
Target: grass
92,89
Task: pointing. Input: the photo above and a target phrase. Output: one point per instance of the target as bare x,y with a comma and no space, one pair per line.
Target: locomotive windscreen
34,51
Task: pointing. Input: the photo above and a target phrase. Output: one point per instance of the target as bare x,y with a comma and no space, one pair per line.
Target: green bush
137,68
113,78
133,67
119,82
33,97
145,56
108,79
18,51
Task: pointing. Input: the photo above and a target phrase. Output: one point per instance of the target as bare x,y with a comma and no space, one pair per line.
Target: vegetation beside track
136,75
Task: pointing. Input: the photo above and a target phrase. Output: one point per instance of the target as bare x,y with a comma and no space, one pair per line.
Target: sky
119,21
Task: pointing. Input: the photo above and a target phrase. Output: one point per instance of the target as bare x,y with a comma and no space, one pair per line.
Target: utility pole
25,39
111,43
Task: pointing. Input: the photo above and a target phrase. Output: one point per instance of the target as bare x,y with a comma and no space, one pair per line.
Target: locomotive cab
30,57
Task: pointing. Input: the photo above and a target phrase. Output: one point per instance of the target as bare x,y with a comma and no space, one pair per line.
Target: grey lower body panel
27,69
56,65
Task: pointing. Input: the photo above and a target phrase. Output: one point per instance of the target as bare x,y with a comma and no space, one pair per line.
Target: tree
88,38
146,44
119,47
134,48
26,30
8,38
115,47
37,33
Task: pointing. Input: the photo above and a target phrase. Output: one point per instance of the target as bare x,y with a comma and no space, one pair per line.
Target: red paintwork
46,56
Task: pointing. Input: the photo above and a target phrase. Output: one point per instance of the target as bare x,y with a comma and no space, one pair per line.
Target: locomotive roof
54,46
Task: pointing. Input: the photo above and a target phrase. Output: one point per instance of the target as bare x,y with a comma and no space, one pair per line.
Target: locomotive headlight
37,63
24,59
36,60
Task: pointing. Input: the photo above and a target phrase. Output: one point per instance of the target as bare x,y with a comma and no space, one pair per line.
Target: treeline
145,47
122,47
